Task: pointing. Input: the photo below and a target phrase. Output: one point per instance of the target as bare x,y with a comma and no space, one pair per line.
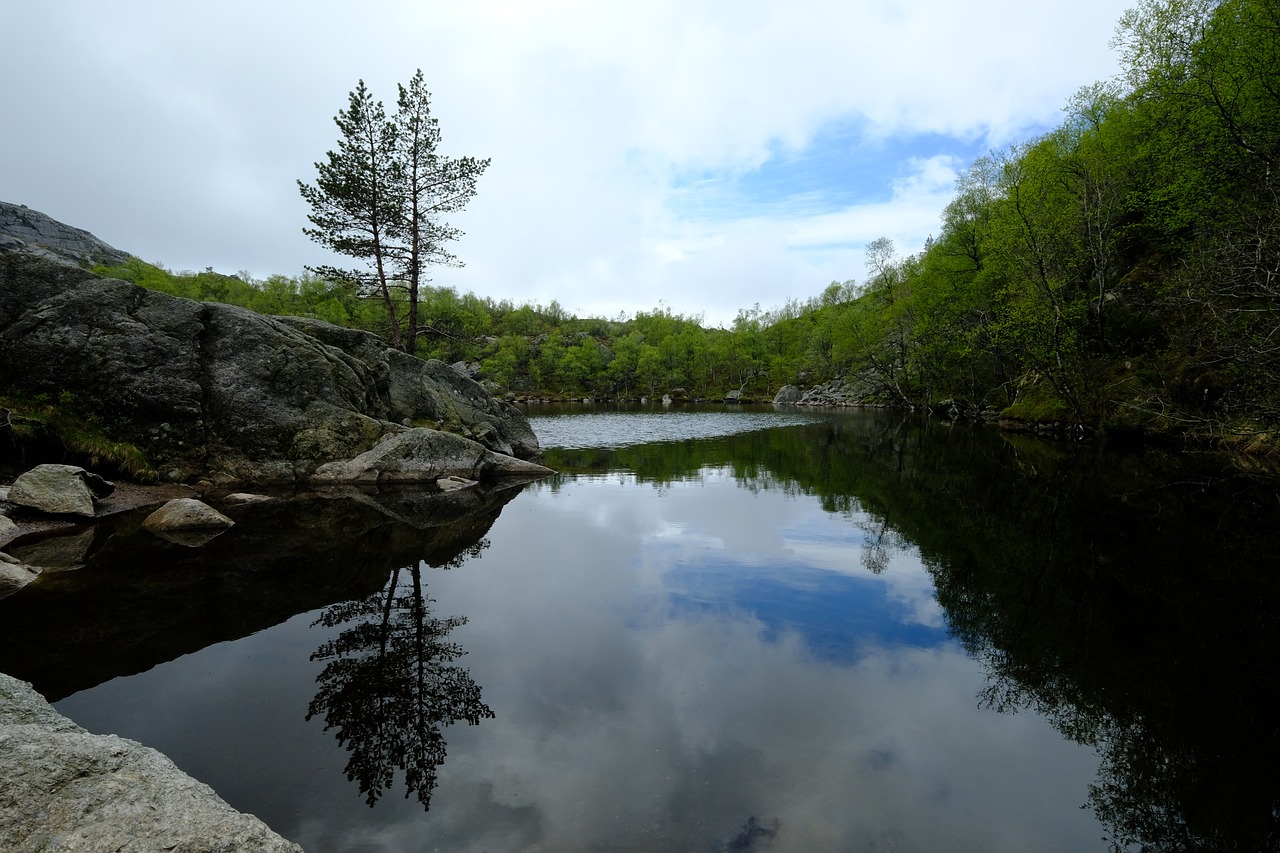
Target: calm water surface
721,630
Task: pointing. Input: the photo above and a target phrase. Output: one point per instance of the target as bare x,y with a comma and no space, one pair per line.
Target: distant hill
31,232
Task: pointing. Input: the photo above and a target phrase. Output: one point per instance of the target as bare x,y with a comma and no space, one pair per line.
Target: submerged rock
453,484
59,489
66,789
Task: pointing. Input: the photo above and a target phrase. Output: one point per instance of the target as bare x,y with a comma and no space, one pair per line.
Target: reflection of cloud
622,726
715,725
648,732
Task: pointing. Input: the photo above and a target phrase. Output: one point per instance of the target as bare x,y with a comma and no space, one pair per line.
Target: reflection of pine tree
388,688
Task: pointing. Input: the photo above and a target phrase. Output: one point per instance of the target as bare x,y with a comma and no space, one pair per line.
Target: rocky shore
62,788
191,399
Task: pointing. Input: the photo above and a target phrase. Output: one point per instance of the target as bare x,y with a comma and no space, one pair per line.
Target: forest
1120,273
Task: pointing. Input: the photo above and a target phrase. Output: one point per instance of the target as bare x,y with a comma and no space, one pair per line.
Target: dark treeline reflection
388,687
1132,598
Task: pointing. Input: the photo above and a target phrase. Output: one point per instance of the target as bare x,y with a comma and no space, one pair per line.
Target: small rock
14,575
8,529
453,484
186,514
243,498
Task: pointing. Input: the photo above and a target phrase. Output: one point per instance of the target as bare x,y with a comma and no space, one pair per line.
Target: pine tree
380,198
433,185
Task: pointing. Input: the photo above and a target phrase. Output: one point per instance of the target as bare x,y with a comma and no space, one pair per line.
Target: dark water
722,630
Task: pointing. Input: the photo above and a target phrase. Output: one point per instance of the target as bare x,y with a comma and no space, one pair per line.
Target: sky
701,156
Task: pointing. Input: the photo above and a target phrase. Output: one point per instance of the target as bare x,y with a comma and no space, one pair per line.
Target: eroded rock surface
32,232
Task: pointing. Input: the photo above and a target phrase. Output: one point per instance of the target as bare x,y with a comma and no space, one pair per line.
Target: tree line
1121,271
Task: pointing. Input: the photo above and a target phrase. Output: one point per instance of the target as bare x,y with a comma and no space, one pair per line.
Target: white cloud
177,131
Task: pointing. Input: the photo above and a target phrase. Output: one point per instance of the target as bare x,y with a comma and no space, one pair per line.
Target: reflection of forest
388,686
1130,597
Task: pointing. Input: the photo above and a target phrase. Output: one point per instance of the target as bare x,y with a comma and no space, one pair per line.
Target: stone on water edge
59,489
186,514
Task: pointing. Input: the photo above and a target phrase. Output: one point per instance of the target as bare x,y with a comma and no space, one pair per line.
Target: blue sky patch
842,166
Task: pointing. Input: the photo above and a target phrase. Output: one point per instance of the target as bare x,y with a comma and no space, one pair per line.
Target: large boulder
65,789
787,394
60,489
210,390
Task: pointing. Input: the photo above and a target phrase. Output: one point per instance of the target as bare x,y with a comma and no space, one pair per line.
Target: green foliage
1145,230
41,421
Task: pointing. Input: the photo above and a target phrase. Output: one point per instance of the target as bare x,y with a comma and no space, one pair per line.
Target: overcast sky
704,155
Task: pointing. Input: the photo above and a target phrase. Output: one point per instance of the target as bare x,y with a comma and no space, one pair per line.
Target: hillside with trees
1120,273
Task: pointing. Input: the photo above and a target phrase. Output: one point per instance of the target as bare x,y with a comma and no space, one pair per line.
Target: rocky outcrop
417,391
215,391
837,392
30,232
66,789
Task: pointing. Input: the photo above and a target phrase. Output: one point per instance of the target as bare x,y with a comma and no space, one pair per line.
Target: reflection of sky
812,584
837,616
664,667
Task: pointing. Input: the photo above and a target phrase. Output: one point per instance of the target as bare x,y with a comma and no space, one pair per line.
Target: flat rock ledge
62,788
423,455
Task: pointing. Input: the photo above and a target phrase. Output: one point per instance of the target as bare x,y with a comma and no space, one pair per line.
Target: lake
712,630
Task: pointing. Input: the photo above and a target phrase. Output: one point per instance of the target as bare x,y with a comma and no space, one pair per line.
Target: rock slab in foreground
62,788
